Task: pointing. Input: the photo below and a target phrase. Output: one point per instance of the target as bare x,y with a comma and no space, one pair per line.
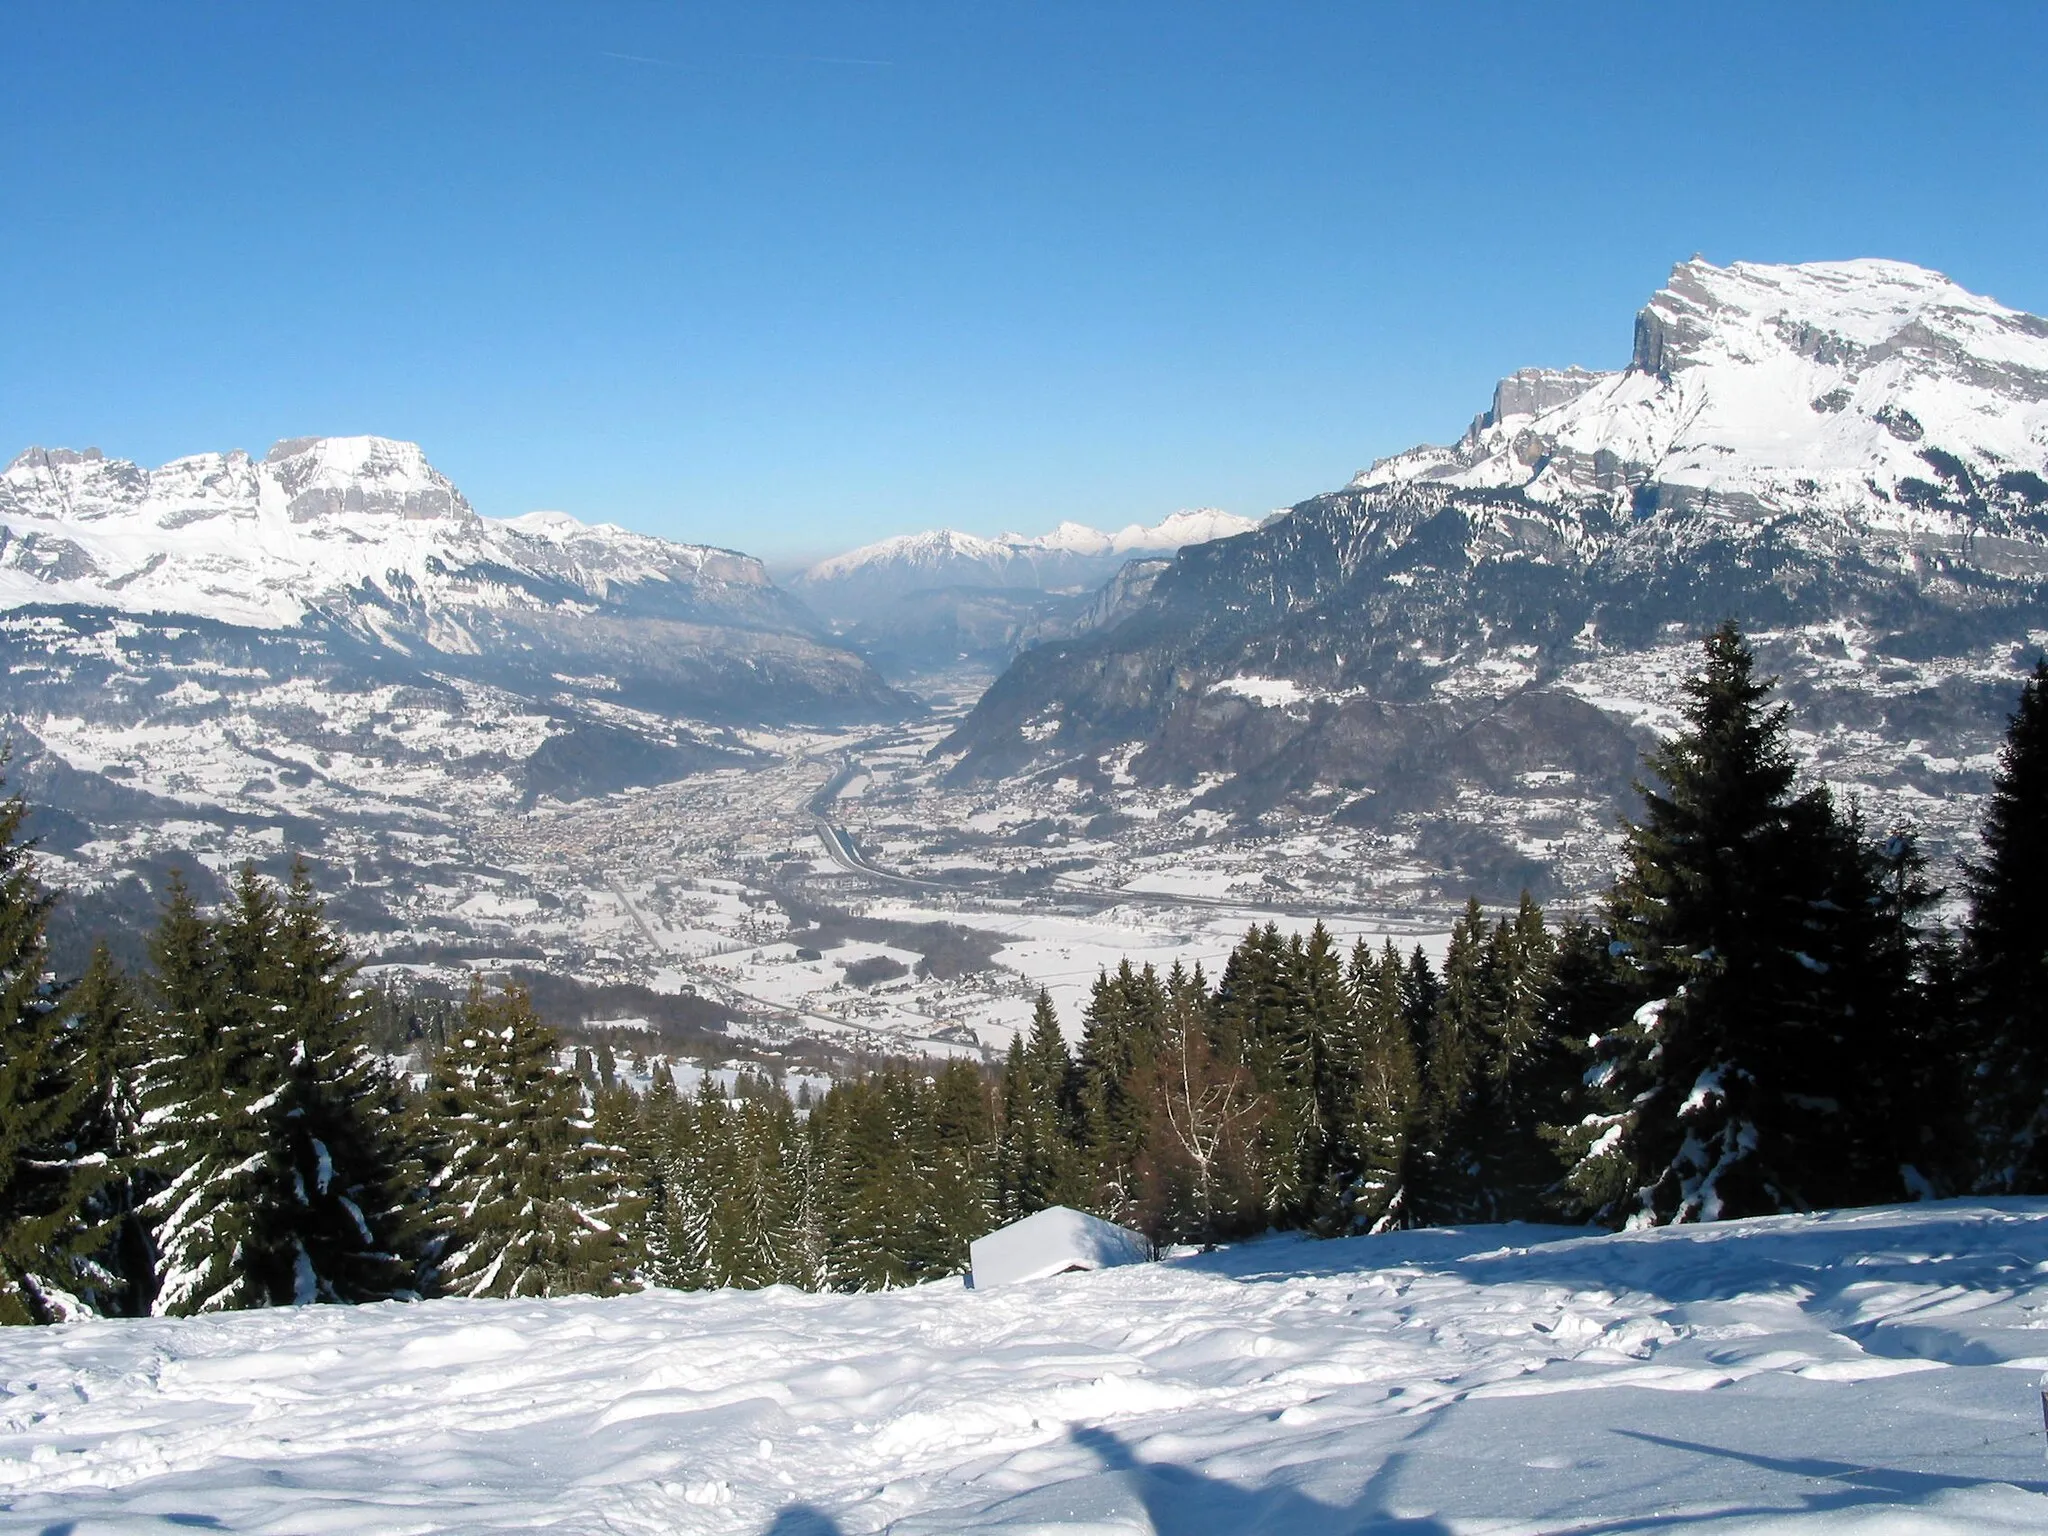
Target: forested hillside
1761,1016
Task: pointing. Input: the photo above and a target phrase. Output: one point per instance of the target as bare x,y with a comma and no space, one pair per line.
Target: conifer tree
1738,920
1420,989
1387,1091
1531,1074
269,1129
956,1132
1040,1151
680,1191
620,1167
213,1073
521,1206
760,1240
335,1125
1014,1135
1119,1034
110,1042
871,1185
1196,1172
1898,1044
2005,953
1449,1186
48,1178
1313,1088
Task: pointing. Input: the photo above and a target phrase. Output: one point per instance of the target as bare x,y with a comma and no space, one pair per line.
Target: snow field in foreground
1873,1371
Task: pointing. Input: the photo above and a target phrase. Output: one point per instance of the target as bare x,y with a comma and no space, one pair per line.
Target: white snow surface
317,523
1782,388
1868,1372
1052,1242
1273,692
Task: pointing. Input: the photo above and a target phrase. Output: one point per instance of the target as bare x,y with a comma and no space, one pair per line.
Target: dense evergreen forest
1761,1016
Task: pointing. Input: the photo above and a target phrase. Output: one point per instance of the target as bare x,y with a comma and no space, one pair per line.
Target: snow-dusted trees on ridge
270,1133
525,1199
51,1168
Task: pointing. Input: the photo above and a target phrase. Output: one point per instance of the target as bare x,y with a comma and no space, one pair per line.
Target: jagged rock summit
360,548
361,529
1777,390
1465,648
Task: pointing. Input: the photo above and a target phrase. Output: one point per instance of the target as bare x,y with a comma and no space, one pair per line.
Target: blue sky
789,277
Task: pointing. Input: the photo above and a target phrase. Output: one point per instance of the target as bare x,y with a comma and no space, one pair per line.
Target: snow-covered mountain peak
1073,557
1875,390
1069,536
1194,525
344,525
561,527
1830,311
925,551
378,476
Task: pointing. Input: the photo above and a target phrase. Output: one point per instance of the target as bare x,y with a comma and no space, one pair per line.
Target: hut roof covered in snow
1052,1242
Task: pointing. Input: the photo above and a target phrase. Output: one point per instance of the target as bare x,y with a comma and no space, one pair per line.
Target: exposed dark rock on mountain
1499,618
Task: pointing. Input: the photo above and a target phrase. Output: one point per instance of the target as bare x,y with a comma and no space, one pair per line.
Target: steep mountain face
329,650
1848,458
1871,393
980,599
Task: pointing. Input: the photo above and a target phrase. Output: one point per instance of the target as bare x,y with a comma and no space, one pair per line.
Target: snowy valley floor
1870,1372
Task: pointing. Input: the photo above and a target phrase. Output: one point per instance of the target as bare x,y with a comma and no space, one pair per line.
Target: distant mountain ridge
1467,641
1071,555
323,524
980,600
362,537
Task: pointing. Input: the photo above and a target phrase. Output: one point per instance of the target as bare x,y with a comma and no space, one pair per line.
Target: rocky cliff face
1847,458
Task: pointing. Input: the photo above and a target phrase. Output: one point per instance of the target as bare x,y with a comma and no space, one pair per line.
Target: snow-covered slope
1870,1372
1776,390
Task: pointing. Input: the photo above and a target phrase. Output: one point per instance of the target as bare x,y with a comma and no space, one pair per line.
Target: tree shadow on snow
1972,1243
1861,1486
1180,1501
803,1520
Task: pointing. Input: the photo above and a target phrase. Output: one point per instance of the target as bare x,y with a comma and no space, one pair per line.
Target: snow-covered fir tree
49,1171
2005,953
1743,920
212,1074
271,1131
1387,1091
111,1035
522,1203
336,1124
